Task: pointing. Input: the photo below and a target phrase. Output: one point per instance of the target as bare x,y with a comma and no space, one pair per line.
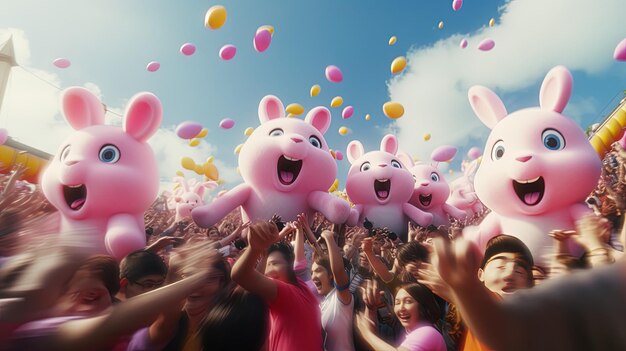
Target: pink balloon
62,63
486,45
338,155
188,130
347,112
620,51
4,135
153,66
262,40
443,153
333,74
227,123
474,153
187,49
456,4
227,52
463,44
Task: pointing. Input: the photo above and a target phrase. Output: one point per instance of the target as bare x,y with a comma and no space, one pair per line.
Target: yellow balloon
392,40
336,102
334,187
333,154
188,163
238,149
343,130
210,159
194,142
393,109
295,109
268,27
368,117
204,132
492,22
398,65
248,131
215,17
440,26
426,136
210,171
315,90
199,169
180,174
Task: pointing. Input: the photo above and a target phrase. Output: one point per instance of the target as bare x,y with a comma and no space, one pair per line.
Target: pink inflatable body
380,187
287,169
103,178
537,169
189,195
462,193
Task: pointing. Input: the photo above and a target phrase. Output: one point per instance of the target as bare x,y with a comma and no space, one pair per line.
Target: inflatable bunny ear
556,89
182,182
406,159
81,108
354,151
143,116
270,108
389,144
201,187
486,105
319,117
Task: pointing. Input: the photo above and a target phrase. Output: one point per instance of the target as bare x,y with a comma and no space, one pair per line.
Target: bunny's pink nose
297,140
523,158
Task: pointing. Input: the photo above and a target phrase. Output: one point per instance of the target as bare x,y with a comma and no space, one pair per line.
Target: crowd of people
309,284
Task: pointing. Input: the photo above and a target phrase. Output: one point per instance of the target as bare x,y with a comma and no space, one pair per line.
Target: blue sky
110,43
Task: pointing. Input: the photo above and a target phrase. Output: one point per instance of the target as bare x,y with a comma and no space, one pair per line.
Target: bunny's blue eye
109,154
552,139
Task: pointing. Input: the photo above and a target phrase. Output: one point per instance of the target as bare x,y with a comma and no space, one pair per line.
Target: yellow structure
14,154
610,131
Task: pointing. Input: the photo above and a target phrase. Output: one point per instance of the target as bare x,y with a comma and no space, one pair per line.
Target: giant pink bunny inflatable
462,193
189,195
431,191
537,168
104,177
380,187
287,169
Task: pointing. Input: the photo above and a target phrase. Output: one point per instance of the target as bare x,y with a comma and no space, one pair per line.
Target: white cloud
531,37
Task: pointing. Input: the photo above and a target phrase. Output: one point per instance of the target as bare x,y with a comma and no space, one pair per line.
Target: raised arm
211,213
342,280
234,235
331,206
378,265
416,215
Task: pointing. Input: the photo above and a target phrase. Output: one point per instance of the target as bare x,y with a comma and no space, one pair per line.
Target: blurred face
202,298
406,309
143,285
213,234
86,294
322,279
363,262
277,267
504,273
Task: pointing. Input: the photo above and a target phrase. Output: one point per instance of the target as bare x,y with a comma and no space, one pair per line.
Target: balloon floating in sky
440,26
398,65
204,132
188,129
333,74
262,40
248,131
463,44
343,130
393,109
486,45
368,117
180,174
392,40
227,123
315,90
238,149
227,52
4,135
194,142
334,187
338,155
492,22
153,66
215,17
426,136
347,112
266,27
336,101
62,63
474,153
456,4
295,109
620,51
188,49
443,153
188,163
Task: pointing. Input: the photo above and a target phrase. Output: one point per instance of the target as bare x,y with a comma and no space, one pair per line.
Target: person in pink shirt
295,321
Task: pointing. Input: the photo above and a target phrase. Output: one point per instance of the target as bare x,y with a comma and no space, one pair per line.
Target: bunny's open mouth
288,169
382,188
530,191
426,199
75,196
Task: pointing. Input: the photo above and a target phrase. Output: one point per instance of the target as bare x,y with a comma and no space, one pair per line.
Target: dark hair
509,244
237,322
106,269
141,263
412,251
287,251
428,308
